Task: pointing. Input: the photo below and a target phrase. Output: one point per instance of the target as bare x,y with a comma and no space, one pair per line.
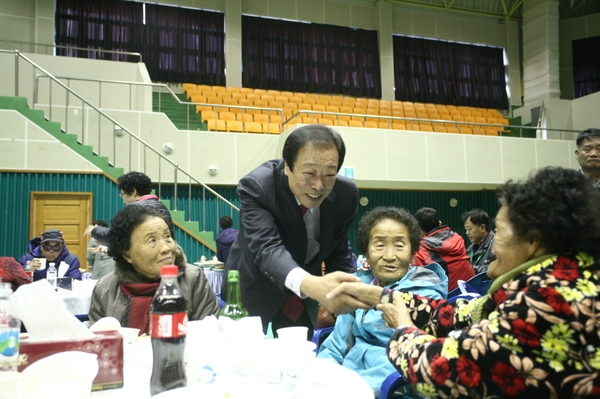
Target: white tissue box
107,345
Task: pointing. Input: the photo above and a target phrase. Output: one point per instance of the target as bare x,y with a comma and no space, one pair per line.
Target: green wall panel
15,191
15,188
439,200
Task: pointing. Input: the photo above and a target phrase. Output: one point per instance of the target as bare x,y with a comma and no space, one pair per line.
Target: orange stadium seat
235,126
254,127
217,124
245,117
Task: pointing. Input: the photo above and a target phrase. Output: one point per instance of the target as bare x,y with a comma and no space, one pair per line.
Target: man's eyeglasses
52,247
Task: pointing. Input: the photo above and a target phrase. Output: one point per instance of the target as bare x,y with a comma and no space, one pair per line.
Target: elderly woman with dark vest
536,333
141,242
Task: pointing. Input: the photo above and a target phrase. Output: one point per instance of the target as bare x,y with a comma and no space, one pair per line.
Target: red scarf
140,295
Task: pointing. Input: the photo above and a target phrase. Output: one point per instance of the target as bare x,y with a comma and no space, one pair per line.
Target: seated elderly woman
141,242
536,332
389,238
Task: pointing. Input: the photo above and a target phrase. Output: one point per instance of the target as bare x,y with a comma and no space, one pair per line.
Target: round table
318,378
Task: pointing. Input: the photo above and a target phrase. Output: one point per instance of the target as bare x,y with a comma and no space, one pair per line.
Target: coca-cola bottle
168,326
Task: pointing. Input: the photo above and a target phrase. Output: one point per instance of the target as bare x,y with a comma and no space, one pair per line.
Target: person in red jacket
441,245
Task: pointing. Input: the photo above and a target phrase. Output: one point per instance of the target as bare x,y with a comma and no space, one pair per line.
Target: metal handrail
244,108
115,126
390,120
284,121
55,46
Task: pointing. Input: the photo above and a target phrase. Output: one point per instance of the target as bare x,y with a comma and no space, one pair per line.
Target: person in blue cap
51,246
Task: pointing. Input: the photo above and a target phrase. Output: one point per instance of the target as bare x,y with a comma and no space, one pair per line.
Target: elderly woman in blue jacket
389,237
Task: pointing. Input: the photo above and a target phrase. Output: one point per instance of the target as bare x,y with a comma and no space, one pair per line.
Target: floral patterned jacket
536,334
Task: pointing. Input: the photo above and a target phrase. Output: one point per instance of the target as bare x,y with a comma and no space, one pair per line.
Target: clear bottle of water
360,262
51,275
10,327
28,270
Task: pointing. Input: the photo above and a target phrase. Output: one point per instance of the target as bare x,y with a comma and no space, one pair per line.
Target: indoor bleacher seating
232,109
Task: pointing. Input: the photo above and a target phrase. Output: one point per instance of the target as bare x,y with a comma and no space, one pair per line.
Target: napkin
40,381
45,314
63,268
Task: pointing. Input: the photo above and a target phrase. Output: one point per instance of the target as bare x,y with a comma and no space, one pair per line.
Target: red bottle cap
169,270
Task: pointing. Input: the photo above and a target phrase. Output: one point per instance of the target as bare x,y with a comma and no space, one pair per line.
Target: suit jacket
272,238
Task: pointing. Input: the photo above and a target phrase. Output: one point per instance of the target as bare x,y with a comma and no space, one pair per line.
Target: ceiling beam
449,5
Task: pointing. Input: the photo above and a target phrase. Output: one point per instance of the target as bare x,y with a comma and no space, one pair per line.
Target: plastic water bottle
360,262
51,275
168,327
29,270
10,327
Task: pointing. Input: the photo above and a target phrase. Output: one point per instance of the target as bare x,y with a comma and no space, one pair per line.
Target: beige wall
392,160
99,94
24,145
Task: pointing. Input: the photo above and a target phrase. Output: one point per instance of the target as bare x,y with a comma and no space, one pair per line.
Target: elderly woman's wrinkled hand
365,293
395,314
317,288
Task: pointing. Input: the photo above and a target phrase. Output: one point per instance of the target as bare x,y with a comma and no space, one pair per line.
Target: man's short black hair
135,181
587,134
428,219
318,136
226,222
100,223
478,217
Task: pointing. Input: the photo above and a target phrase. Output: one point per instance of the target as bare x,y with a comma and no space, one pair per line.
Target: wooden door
70,213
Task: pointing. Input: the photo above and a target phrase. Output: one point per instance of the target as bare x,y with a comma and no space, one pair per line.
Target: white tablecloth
214,276
327,381
78,300
215,279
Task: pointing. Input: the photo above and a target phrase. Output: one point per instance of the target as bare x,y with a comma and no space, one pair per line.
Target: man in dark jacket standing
225,238
442,246
295,214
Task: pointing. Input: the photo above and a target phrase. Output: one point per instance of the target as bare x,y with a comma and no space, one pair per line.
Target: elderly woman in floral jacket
536,333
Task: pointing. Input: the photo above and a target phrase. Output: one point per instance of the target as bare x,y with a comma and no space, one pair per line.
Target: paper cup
43,262
296,334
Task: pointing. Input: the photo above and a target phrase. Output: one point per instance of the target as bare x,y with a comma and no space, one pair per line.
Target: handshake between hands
342,293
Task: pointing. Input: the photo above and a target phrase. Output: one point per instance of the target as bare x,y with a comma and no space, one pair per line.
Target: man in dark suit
295,213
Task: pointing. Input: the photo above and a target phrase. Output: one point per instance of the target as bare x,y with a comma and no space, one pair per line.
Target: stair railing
91,125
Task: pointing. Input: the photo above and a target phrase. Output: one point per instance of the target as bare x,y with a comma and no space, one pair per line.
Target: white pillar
386,49
233,43
541,75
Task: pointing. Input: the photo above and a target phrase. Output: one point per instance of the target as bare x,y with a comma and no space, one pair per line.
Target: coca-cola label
168,325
